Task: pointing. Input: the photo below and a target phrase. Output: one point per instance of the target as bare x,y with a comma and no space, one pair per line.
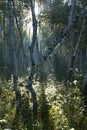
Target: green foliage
60,67
59,13
65,106
58,107
7,110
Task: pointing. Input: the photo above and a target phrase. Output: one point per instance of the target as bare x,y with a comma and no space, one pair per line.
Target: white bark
13,52
71,15
76,50
19,30
33,48
63,34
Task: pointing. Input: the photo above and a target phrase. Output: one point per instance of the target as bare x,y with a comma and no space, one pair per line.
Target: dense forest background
43,64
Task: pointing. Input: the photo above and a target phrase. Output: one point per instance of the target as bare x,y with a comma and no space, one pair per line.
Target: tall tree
32,57
13,53
76,51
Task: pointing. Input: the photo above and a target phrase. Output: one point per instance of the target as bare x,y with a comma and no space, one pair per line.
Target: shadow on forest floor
45,120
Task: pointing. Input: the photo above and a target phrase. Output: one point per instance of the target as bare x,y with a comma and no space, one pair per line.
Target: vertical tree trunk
73,7
19,30
63,34
4,39
85,78
32,57
75,52
13,53
20,49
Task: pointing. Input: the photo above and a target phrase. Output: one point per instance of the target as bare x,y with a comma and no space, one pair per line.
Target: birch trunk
13,53
19,30
32,57
73,7
4,39
63,34
75,52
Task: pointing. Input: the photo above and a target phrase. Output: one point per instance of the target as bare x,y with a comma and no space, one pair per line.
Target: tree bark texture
19,30
4,37
75,52
73,7
13,53
63,34
33,67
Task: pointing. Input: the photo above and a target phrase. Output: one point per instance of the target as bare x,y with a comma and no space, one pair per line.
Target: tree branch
63,34
76,51
73,6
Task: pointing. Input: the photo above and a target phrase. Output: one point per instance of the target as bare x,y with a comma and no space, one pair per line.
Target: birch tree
32,57
75,52
13,54
51,48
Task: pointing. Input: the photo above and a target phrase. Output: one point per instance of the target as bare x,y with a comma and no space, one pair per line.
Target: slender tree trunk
73,7
63,34
19,30
85,78
32,57
4,39
13,53
75,52
20,48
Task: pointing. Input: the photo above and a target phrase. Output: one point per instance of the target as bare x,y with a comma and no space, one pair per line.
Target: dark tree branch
76,51
63,34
